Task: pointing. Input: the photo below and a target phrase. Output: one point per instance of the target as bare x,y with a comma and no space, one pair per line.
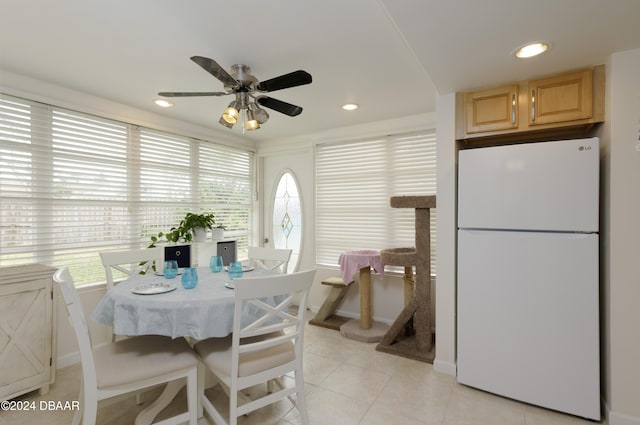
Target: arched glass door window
287,218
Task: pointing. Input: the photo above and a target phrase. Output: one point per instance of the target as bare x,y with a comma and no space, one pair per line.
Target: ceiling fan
241,83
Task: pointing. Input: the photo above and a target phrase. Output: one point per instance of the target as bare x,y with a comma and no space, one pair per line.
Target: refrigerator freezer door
548,186
528,317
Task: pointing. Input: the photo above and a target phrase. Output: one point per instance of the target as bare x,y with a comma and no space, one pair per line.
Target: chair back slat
257,292
270,258
130,262
261,345
279,310
278,327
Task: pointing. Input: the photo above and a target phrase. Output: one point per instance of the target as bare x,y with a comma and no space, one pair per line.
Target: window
72,184
287,218
354,184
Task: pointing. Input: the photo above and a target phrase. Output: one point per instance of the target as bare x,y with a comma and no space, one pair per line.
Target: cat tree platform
326,316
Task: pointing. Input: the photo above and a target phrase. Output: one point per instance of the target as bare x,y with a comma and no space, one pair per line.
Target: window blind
354,184
73,184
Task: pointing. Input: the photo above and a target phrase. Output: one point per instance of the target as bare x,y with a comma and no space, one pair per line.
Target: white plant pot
217,234
199,234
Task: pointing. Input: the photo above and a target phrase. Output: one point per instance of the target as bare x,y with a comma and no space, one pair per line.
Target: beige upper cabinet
491,110
568,102
565,97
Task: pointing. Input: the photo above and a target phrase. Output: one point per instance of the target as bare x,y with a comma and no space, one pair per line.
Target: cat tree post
400,339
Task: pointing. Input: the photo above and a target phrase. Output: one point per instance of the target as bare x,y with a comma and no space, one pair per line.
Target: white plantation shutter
72,184
354,184
18,186
225,182
164,181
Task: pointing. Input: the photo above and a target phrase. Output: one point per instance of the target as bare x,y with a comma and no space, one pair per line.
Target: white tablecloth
203,312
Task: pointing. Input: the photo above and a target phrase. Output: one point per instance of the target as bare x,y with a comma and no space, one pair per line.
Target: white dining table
205,311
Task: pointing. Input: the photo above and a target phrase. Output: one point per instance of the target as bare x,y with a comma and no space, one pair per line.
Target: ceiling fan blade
292,79
216,70
189,94
279,105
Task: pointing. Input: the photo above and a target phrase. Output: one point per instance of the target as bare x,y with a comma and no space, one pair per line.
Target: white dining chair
262,351
270,258
130,262
126,366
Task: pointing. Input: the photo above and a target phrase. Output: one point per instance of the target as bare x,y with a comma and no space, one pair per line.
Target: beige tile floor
347,383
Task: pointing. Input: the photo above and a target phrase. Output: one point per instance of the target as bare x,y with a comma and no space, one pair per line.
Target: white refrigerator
527,285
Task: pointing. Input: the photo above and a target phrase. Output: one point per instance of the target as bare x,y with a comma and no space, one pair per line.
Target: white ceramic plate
244,269
229,284
154,288
162,274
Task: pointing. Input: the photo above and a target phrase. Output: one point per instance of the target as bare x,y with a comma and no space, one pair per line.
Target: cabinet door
25,336
565,97
491,110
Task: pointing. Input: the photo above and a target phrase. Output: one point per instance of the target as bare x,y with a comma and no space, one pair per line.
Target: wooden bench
326,316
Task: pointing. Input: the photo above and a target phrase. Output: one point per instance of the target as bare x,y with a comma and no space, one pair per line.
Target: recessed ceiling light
163,103
530,50
350,107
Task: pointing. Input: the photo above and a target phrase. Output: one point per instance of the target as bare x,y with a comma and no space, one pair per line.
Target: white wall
621,243
67,347
446,249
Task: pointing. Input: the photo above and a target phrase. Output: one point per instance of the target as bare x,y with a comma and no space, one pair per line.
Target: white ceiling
389,56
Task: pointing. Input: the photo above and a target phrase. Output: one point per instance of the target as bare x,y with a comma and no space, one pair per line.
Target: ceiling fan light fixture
231,114
530,50
251,123
260,114
225,123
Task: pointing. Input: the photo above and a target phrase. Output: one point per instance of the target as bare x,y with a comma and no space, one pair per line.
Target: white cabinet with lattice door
27,329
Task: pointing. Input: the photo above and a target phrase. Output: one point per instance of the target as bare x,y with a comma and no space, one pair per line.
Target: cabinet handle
513,109
533,105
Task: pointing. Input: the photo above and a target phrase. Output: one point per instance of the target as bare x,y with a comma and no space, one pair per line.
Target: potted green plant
197,225
174,235
217,233
193,227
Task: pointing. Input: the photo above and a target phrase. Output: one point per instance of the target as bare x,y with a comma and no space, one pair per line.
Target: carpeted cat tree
410,334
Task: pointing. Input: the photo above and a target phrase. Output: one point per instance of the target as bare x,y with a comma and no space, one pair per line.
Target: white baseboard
351,315
68,360
444,367
71,358
614,418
